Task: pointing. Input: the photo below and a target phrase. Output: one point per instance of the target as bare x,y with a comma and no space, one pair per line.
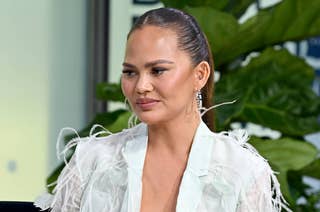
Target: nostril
144,85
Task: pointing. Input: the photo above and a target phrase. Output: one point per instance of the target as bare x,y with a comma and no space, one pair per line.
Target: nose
144,84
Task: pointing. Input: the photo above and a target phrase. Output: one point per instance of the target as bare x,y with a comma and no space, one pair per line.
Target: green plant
272,89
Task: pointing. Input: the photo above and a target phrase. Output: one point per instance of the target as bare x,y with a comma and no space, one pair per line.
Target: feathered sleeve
262,192
66,196
69,189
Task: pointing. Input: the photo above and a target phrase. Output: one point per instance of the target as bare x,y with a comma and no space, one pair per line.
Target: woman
171,161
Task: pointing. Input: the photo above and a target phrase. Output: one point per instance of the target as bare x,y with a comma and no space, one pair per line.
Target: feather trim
278,202
44,201
66,195
203,110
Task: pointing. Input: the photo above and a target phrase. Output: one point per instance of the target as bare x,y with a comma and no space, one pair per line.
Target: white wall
42,88
121,13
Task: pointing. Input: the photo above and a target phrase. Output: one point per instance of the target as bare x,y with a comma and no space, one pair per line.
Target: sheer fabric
223,173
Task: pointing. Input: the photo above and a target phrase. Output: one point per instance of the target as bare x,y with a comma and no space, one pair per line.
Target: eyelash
156,71
128,73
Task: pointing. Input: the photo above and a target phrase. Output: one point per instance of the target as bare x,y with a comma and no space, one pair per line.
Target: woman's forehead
152,40
153,33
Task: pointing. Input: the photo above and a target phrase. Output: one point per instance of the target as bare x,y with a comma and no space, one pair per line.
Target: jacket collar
134,153
190,192
197,166
136,147
200,153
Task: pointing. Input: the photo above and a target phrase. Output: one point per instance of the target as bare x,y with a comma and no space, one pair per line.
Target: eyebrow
149,64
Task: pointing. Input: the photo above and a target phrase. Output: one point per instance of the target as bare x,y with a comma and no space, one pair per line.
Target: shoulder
231,150
228,153
94,157
98,148
108,144
247,171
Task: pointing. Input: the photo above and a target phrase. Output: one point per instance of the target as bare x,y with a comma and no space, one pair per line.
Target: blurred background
53,54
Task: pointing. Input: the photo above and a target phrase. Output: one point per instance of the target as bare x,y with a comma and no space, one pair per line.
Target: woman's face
158,78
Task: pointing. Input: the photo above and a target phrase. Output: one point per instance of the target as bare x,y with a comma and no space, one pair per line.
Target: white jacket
223,174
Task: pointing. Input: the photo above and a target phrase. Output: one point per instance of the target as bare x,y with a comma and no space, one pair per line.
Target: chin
149,118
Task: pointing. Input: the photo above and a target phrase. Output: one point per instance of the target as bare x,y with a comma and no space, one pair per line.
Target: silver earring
199,99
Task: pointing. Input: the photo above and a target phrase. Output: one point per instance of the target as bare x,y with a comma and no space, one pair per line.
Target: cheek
178,86
127,87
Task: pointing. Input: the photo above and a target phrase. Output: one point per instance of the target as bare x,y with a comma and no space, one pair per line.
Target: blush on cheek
125,86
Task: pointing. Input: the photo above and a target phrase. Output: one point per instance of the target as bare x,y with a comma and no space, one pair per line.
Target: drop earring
199,99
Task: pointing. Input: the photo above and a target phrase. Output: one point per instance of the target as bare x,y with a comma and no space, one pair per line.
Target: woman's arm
263,194
67,193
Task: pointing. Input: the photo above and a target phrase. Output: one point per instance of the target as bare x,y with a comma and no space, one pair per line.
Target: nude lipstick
146,103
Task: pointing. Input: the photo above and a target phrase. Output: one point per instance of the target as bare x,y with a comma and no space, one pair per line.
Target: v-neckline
189,194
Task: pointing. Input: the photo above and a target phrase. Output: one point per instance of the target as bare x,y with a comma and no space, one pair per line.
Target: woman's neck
174,136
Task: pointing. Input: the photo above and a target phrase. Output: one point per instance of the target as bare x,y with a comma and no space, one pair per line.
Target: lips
145,100
146,103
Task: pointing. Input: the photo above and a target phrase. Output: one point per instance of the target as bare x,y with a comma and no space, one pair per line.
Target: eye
158,70
128,73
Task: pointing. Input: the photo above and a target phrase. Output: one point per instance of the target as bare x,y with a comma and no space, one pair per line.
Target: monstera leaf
286,154
273,90
287,20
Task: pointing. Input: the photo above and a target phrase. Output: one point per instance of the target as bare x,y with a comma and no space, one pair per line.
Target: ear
201,75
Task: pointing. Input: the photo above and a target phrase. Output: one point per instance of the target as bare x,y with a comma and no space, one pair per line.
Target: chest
160,186
114,191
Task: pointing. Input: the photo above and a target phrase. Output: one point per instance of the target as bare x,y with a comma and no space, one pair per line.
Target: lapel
190,191
197,166
134,154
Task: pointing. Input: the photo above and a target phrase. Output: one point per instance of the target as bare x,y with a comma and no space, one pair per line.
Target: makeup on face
157,77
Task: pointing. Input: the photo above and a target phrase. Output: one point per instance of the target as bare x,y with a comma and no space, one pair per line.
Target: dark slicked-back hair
191,39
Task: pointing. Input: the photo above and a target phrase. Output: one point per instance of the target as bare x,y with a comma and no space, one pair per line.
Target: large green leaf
216,4
219,27
121,122
239,7
285,154
297,186
236,8
313,169
286,21
273,90
109,92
